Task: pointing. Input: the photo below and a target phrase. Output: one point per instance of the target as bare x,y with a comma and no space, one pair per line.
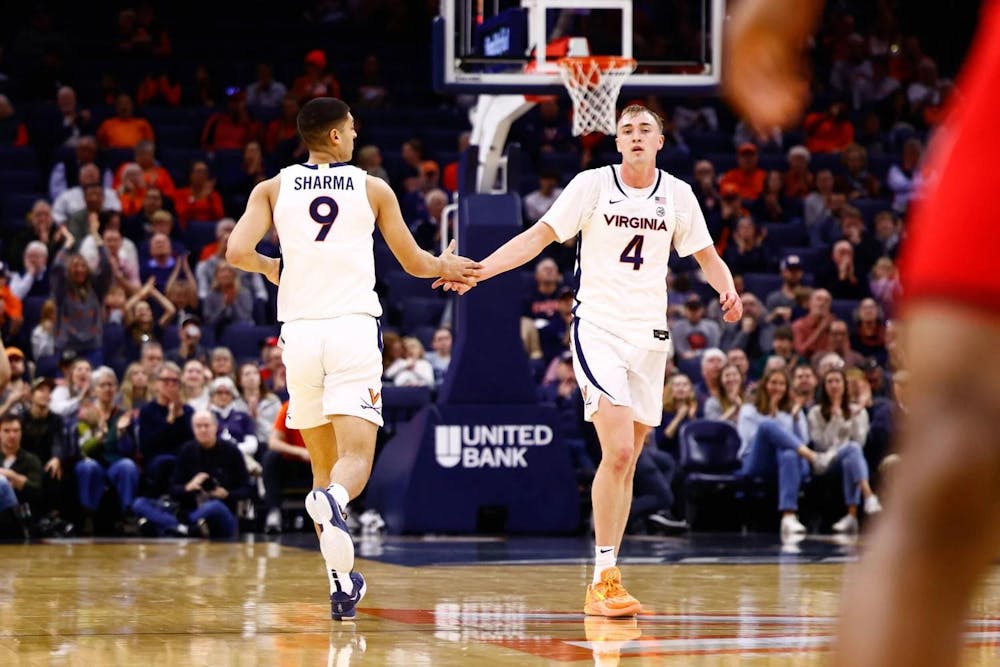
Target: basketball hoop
593,83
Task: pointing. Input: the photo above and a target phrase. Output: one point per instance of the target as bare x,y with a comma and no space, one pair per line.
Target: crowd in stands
144,365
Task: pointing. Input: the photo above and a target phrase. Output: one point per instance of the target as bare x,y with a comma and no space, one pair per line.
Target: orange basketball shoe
609,598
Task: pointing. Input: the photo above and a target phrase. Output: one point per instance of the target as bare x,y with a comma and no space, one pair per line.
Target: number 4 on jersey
632,254
326,219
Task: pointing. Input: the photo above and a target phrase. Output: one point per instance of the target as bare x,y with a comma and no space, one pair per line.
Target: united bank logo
494,446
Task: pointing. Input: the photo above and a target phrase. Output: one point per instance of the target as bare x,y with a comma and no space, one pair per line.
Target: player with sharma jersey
626,218
325,212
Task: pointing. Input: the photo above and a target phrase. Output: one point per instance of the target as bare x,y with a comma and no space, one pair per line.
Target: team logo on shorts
375,397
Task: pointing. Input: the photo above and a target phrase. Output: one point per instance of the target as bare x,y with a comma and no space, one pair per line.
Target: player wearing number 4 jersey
325,212
626,218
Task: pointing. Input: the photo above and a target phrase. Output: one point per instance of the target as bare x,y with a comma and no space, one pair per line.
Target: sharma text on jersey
632,222
323,182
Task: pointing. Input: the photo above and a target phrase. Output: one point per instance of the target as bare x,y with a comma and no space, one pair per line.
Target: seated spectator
745,251
223,228
904,178
124,130
208,481
79,296
797,181
231,129
265,92
392,351
829,131
804,383
839,341
739,358
811,331
784,296
866,248
11,308
887,234
122,253
726,406
411,370
868,337
261,403
705,187
449,174
316,81
281,138
16,392
65,173
767,140
252,170
370,160
926,91
747,176
34,280
695,333
784,347
273,370
189,343
73,200
440,355
838,433
160,262
839,274
538,202
20,470
235,423
66,397
13,131
43,340
652,493
106,447
142,326
135,391
884,420
816,205
221,363
229,301
371,92
774,445
87,221
753,335
680,405
158,88
194,385
199,200
138,227
856,180
43,433
164,424
770,205
712,361
153,174
132,189
182,292
286,465
73,124
885,285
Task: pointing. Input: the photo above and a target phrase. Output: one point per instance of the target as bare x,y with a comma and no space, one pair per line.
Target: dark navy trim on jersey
316,166
617,184
583,360
659,177
378,330
577,272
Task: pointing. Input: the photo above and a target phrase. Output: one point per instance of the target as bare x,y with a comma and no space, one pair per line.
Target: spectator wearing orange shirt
449,176
316,82
231,129
11,310
132,189
153,174
798,180
747,177
829,131
286,464
124,130
12,130
198,201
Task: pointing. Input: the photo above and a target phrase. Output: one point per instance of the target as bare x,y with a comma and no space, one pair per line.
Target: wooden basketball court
709,601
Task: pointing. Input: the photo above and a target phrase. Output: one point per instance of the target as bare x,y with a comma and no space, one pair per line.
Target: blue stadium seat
245,340
710,469
783,234
114,157
705,143
385,261
811,257
177,136
403,286
17,157
20,180
869,208
16,206
198,234
31,308
690,368
844,309
422,312
761,284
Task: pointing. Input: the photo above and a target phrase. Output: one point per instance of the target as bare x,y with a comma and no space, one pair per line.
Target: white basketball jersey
623,245
325,225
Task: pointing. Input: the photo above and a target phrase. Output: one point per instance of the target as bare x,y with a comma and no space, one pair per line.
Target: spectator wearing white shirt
539,201
72,200
265,92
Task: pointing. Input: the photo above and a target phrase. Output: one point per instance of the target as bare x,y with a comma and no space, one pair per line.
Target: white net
593,84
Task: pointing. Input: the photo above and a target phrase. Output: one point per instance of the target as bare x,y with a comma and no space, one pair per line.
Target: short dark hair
317,117
9,417
784,332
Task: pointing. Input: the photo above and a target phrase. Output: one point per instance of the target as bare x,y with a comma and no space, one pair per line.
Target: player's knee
619,457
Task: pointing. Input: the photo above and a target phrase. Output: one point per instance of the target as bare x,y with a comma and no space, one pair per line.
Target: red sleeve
22,135
950,252
216,203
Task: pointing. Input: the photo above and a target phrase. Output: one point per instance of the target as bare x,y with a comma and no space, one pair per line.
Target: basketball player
325,212
625,218
905,602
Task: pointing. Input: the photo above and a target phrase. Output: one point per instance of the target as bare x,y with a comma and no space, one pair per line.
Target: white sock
339,494
604,557
346,585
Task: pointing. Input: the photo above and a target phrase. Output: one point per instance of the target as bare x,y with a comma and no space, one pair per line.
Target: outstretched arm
719,277
414,260
512,254
251,228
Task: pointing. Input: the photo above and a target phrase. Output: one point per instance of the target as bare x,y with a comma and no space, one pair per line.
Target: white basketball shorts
334,367
625,374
